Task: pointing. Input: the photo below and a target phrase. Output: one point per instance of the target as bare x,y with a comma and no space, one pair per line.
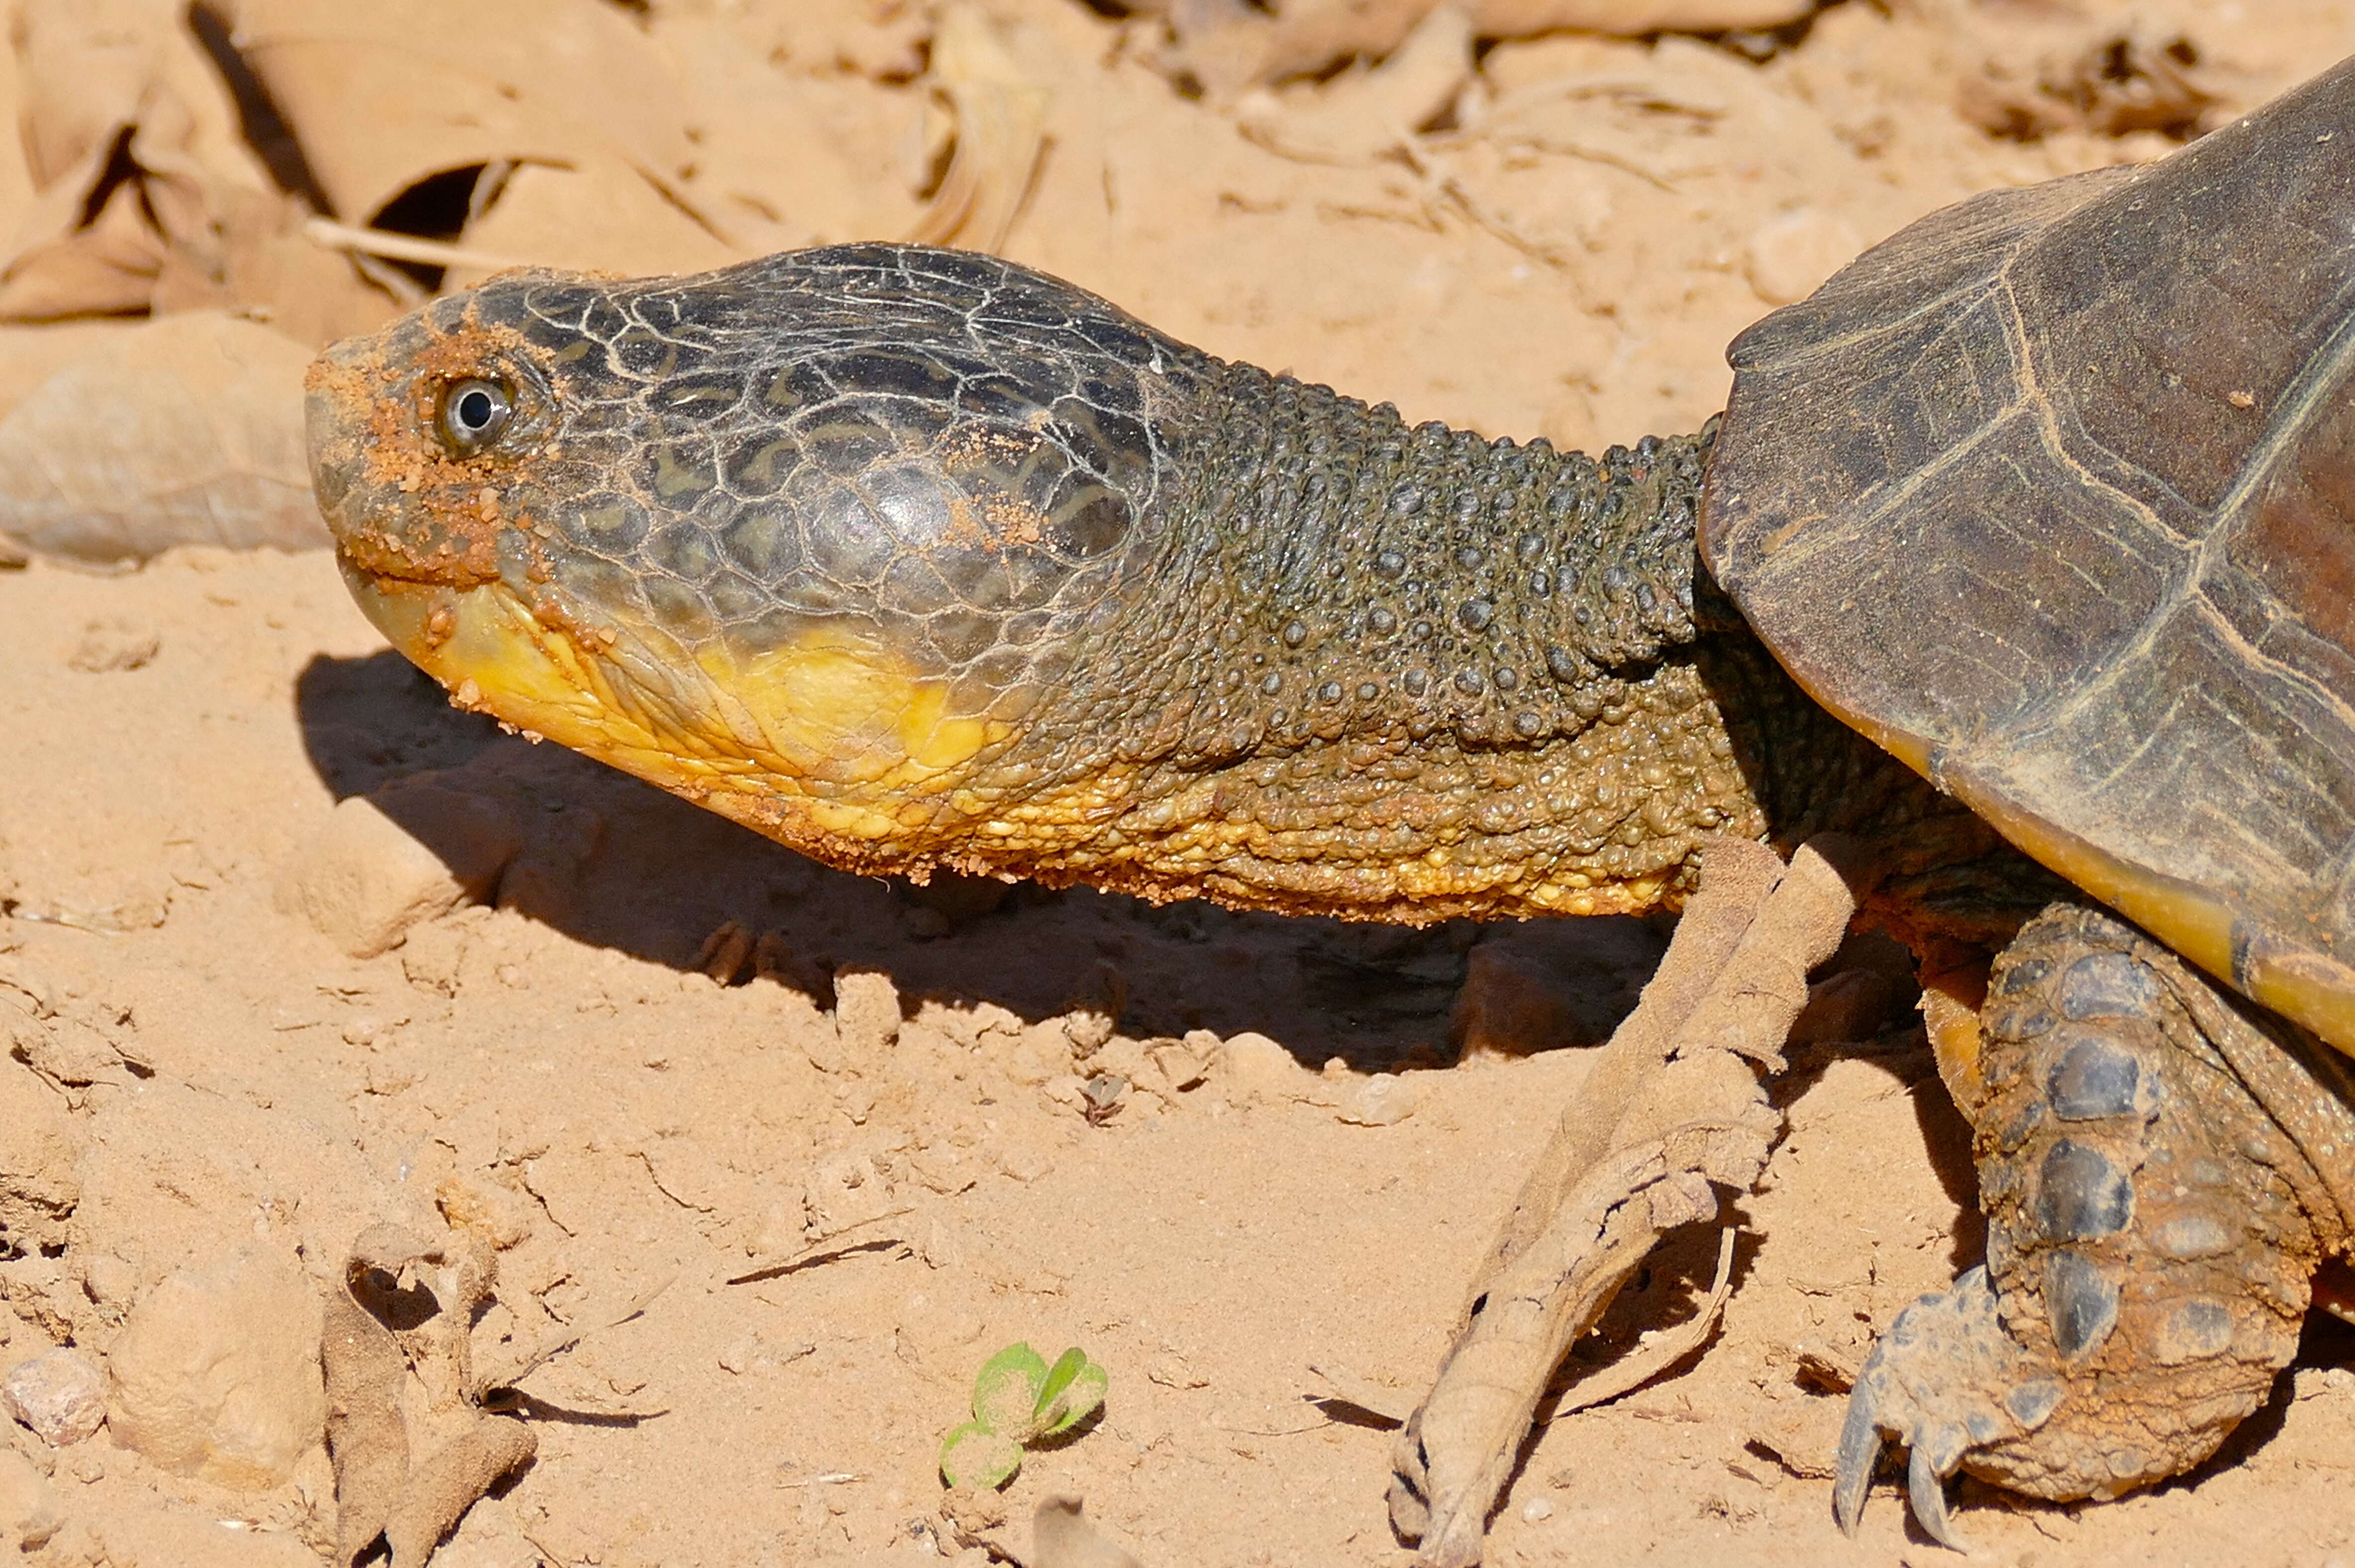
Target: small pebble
1257,1068
61,1394
395,859
1537,1511
29,1514
1381,1101
111,645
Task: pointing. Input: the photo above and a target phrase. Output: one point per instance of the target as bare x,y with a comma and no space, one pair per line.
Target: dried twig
337,236
1672,1108
828,1248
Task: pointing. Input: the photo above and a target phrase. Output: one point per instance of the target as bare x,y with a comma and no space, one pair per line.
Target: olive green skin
1196,630
1335,664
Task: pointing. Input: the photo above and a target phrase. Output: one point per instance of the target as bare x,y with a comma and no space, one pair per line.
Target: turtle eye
474,411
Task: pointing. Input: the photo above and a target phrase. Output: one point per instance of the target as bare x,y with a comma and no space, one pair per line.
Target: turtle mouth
613,696
827,731
497,656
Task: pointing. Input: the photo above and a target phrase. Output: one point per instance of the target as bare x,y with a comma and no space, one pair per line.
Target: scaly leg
2162,1166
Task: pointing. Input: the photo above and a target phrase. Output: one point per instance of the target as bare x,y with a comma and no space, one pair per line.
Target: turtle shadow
1903,1053
614,862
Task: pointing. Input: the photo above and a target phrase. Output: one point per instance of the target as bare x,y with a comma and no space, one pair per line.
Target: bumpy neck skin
1407,674
911,558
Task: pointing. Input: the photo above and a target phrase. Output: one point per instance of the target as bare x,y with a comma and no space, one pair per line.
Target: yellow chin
827,738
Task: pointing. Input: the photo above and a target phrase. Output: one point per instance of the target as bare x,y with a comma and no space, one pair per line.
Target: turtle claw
1925,1489
1926,1478
1945,1380
1860,1451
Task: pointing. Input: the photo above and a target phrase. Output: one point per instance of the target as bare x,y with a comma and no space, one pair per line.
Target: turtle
2021,556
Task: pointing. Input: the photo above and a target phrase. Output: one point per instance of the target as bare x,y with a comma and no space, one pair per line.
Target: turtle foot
1945,1380
2150,1229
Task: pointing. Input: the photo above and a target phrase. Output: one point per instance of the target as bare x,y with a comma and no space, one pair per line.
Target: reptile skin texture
908,557
2162,1167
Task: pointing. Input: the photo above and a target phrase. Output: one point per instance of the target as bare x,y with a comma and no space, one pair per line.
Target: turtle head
802,539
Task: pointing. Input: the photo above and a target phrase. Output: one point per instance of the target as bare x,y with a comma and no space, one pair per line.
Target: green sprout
1018,1400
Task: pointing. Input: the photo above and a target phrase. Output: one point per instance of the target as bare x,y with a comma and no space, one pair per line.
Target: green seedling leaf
1059,1378
1074,1389
1018,1398
1006,1392
973,1455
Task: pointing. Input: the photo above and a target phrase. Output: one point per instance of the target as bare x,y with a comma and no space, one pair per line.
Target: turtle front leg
2162,1167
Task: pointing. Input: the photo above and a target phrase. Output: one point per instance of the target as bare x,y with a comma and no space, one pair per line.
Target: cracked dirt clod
441,1490
215,1371
1671,1109
433,1293
366,1439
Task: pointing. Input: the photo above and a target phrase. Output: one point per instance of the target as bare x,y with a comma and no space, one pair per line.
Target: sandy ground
836,1226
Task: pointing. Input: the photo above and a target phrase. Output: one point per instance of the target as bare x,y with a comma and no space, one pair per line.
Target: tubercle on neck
1397,674
1340,573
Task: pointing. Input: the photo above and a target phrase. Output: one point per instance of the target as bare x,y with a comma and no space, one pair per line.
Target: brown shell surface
2052,494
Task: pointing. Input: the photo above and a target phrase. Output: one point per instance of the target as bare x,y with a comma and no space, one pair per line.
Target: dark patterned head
826,523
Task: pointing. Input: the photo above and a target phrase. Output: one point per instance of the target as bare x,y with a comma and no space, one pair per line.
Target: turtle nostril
330,482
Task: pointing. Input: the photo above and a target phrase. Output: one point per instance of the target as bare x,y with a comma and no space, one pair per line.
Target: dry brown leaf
1670,1110
180,200
84,64
604,216
1661,1349
451,1480
846,175
90,71
383,95
379,1492
1361,114
183,431
366,1439
31,354
876,40
15,171
1630,18
57,212
2113,83
1231,45
261,262
1001,129
107,268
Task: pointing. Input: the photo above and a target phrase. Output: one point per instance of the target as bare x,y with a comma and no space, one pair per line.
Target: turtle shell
2052,494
